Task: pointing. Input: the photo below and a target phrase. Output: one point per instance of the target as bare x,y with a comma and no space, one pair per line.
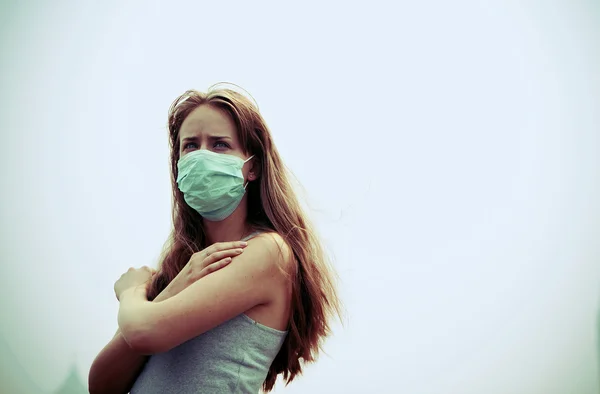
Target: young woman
244,292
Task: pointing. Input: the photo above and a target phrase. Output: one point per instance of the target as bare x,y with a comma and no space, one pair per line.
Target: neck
232,228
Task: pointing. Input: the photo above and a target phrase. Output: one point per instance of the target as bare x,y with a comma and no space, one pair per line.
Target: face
209,128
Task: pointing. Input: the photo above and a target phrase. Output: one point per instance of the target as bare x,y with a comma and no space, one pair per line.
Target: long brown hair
272,206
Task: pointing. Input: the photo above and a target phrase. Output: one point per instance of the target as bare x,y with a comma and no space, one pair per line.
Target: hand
132,278
202,263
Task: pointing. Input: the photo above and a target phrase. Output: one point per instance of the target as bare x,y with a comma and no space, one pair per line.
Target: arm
117,366
249,280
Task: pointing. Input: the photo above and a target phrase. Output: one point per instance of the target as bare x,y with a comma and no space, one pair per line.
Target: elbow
92,384
97,381
97,390
97,385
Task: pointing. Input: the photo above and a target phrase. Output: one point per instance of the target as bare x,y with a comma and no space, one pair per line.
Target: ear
254,171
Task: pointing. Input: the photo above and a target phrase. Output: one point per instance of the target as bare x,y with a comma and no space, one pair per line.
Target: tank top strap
254,234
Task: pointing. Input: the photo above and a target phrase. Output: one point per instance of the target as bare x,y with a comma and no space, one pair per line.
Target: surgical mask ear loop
245,161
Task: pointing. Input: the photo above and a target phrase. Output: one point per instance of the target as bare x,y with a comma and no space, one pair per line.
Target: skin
253,283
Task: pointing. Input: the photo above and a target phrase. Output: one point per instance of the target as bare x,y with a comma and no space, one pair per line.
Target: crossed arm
155,327
117,366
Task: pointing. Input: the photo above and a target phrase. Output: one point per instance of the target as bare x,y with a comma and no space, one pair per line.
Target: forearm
134,317
163,295
117,366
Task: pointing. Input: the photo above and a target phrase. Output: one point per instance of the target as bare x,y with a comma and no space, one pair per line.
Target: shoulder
271,251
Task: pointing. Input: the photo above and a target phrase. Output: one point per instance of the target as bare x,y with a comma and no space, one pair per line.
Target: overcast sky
448,152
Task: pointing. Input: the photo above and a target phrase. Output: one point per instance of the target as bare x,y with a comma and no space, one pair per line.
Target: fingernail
239,250
244,243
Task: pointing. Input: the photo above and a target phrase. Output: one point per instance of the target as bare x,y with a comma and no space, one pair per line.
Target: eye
190,145
221,145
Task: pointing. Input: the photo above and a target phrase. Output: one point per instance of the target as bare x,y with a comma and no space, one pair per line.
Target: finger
202,262
213,258
215,266
219,246
221,255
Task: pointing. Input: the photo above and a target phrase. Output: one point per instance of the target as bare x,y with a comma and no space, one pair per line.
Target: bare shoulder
272,251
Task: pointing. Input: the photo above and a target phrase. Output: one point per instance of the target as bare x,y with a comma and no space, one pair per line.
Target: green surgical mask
211,183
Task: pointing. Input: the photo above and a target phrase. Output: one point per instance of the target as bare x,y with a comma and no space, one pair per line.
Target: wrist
163,295
135,291
132,312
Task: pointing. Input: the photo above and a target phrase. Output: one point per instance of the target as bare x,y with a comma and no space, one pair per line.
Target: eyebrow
212,137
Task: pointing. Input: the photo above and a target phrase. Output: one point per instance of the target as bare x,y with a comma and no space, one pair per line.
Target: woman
222,315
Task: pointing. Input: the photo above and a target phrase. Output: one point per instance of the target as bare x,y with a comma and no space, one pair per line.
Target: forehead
207,120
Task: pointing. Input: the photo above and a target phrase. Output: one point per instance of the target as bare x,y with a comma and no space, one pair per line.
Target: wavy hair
272,206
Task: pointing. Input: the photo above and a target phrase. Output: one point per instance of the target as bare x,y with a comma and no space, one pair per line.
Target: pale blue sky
449,153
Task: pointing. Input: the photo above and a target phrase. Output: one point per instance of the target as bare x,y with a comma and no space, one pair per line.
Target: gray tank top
233,357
